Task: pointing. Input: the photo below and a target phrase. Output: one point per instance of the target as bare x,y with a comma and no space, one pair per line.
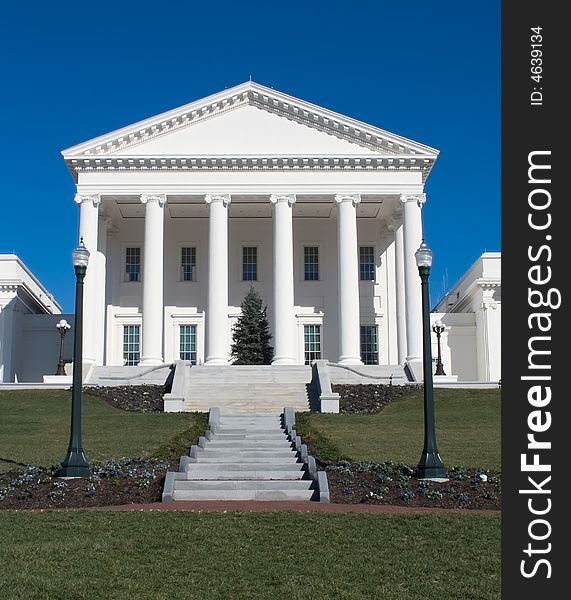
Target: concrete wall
39,346
458,344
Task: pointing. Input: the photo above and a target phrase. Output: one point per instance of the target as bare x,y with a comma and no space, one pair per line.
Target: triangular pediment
249,120
245,130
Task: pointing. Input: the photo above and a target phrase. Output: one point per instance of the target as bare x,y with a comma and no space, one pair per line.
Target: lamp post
430,465
438,328
75,464
63,327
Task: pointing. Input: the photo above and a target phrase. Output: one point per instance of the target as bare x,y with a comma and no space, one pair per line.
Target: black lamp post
75,464
63,327
430,465
438,328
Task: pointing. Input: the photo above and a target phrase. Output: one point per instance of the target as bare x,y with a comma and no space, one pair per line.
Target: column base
284,360
349,360
212,362
151,362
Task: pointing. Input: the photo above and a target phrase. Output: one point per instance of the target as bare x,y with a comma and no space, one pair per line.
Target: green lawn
184,555
35,425
467,430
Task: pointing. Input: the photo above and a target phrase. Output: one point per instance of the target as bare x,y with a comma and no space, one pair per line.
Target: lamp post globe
438,328
430,465
63,327
75,463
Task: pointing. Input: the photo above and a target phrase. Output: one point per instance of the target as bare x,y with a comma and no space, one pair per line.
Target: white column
488,338
348,275
412,238
284,321
217,342
399,286
104,224
152,333
88,230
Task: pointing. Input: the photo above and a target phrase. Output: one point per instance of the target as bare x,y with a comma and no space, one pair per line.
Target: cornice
249,163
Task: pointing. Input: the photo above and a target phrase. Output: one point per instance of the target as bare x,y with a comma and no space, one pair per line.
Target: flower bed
113,482
139,398
395,483
369,398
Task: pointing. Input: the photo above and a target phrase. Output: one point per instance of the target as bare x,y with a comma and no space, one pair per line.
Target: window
131,345
249,263
312,342
188,343
369,346
188,264
366,263
311,263
132,264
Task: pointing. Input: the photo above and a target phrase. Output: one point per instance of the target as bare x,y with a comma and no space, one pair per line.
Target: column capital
224,198
420,199
289,198
354,198
95,198
161,199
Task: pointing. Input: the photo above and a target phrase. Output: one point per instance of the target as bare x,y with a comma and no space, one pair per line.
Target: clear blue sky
70,71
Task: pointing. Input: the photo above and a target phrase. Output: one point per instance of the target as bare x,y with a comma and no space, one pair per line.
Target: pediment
245,130
249,120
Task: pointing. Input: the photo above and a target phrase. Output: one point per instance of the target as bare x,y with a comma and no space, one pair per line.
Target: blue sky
429,71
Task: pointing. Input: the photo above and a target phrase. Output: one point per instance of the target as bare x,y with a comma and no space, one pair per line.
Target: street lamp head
439,324
423,256
63,325
80,255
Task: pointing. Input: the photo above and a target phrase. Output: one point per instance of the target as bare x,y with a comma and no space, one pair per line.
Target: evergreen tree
251,333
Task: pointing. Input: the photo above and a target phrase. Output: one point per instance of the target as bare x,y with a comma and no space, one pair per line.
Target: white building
29,341
319,212
184,211
472,314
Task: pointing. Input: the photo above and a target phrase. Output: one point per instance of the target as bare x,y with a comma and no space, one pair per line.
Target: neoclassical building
184,211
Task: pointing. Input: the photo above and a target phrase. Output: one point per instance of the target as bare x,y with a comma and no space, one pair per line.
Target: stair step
261,495
276,474
270,434
251,444
247,467
282,460
238,484
248,452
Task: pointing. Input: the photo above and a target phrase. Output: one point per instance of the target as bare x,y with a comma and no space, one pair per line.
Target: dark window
188,343
132,264
369,345
312,342
188,264
311,263
249,263
131,345
367,263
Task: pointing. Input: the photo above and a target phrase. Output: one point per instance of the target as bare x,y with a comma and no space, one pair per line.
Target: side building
471,313
29,340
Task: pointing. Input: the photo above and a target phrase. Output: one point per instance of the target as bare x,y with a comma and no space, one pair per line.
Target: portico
184,211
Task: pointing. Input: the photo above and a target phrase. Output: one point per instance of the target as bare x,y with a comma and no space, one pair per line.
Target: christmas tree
251,333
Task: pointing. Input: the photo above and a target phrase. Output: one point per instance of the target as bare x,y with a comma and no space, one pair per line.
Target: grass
35,425
467,429
188,555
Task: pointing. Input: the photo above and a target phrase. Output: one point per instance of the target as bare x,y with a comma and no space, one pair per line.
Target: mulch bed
396,484
369,398
140,398
115,482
